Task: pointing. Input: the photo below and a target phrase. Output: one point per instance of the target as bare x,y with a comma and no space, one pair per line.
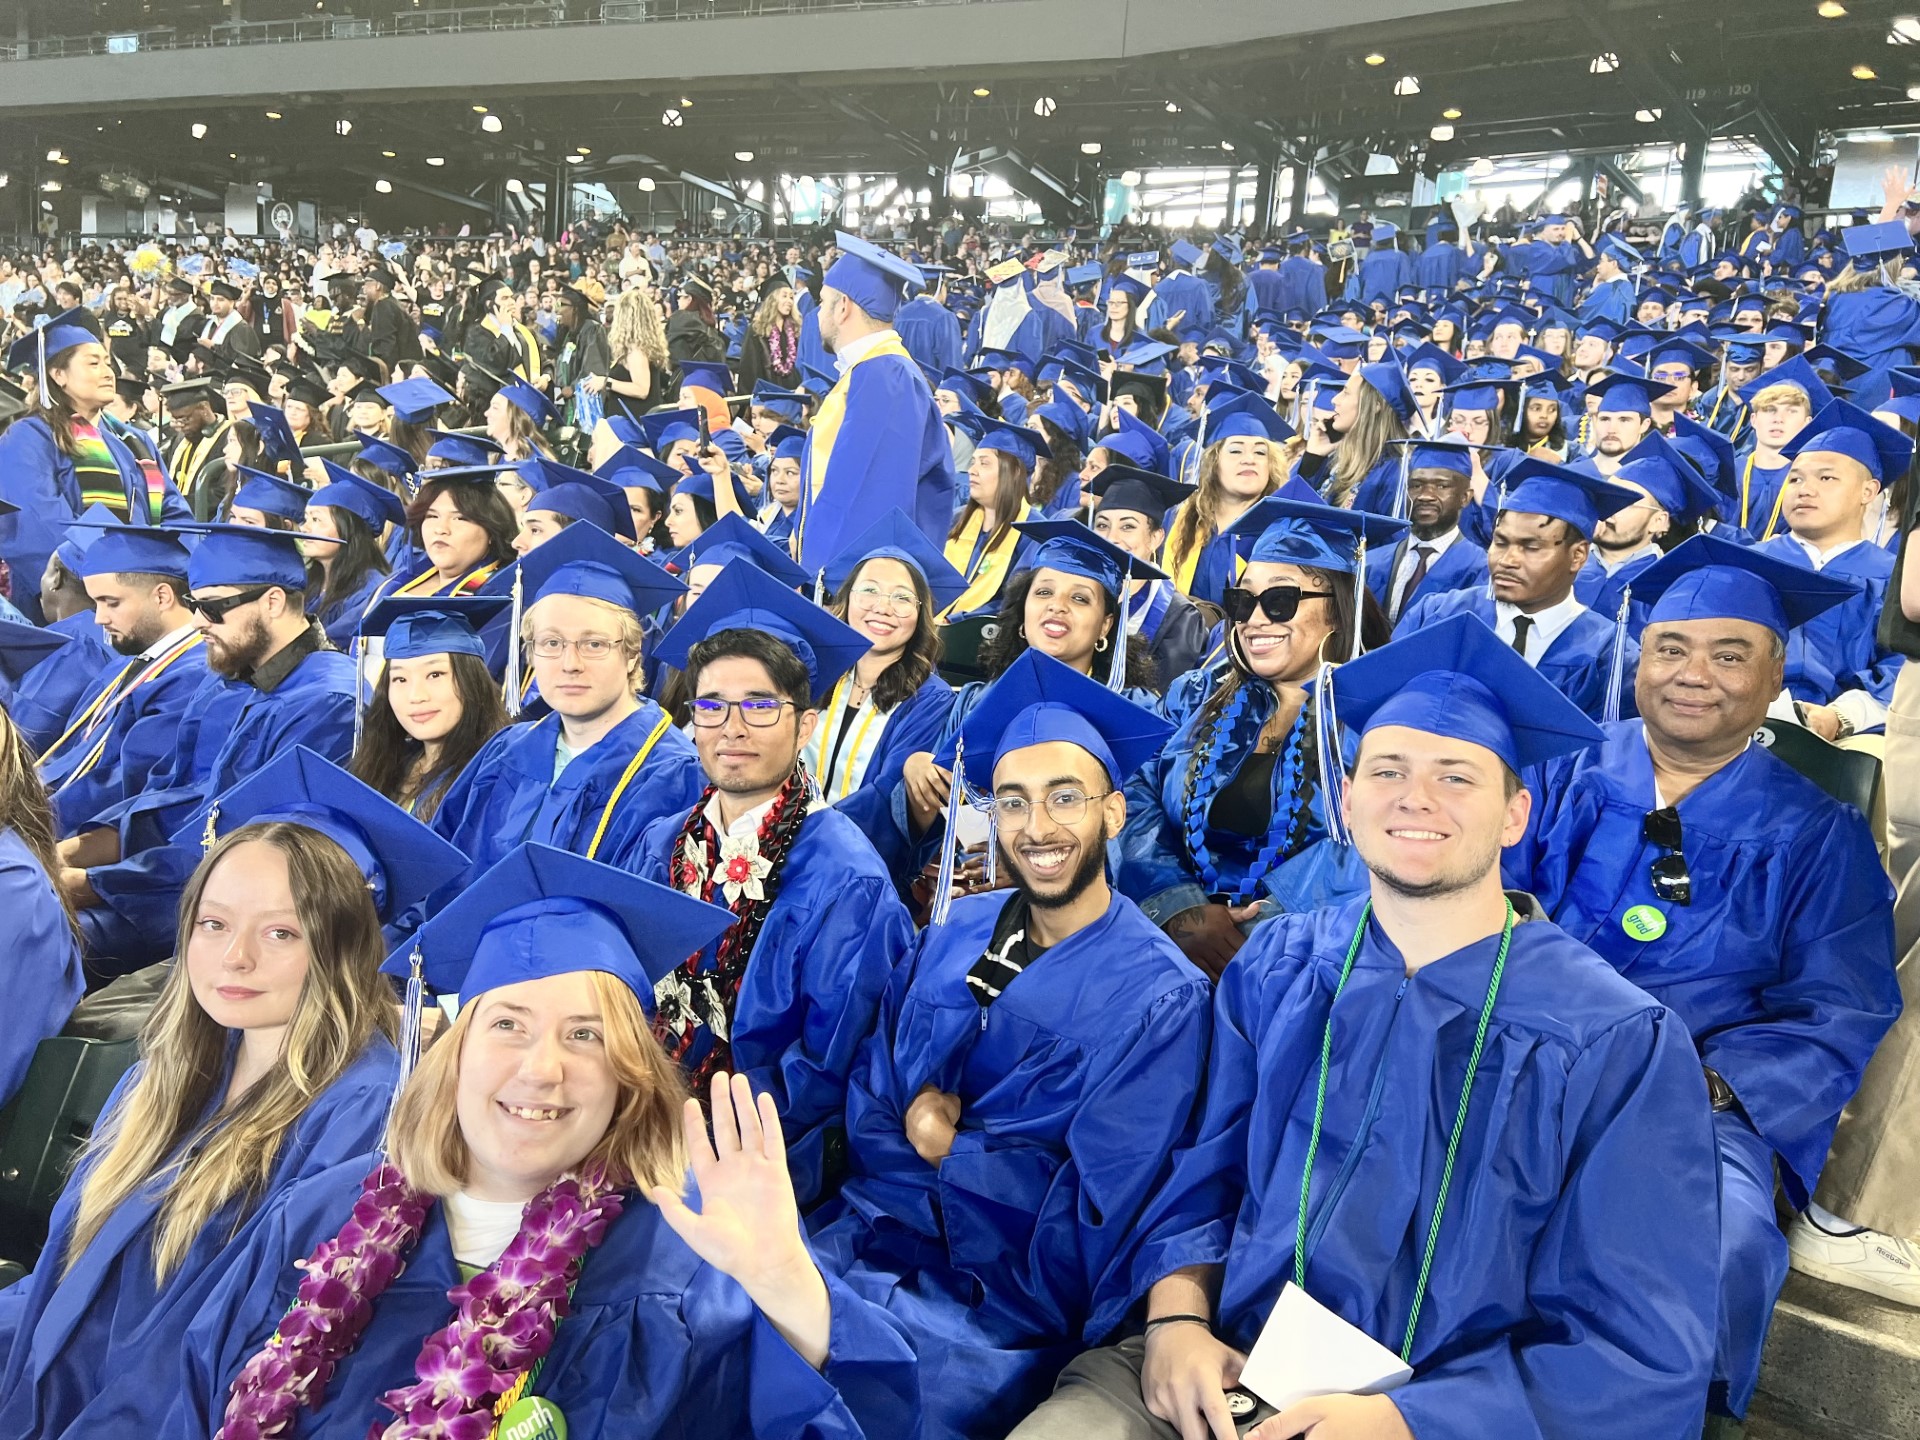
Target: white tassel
956,796
1400,500
1359,594
360,700
412,1009
40,351
1616,675
820,587
1117,669
510,686
1326,732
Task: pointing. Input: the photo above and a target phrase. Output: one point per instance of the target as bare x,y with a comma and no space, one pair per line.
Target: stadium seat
960,647
44,1128
1849,775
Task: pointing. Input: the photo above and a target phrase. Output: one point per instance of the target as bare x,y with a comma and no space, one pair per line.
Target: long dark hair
1009,641
1374,632
25,811
1049,476
903,678
479,502
352,561
386,755
59,414
1010,488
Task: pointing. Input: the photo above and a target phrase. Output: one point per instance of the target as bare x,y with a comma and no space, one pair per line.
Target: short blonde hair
644,1144
626,626
1781,394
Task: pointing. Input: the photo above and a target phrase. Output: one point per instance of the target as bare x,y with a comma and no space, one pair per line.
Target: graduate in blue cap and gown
274,685
1180,296
1731,888
1037,1059
607,762
1227,824
877,443
787,449
927,327
357,513
1674,498
1374,407
1541,537
1611,294
1130,510
124,725
889,585
25,649
52,484
532,1187
791,989
1440,1118
1878,323
1384,270
1779,406
269,1057
984,543
1434,557
42,699
44,976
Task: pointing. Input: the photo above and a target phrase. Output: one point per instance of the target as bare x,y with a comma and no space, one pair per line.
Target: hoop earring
1100,646
1235,653
1023,630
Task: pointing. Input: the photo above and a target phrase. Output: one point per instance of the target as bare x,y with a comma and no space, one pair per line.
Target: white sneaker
1860,1259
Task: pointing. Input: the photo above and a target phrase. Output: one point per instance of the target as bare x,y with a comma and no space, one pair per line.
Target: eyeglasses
216,609
1063,807
1281,602
1671,882
900,602
759,711
594,647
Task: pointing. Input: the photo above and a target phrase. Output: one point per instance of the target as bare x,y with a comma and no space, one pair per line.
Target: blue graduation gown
1156,868
1579,662
813,984
1378,487
82,1348
1782,968
1462,566
341,620
1217,568
35,476
1266,293
1878,326
1380,276
43,977
1600,590
244,728
1442,266
1839,649
657,1342
48,696
1609,300
1306,285
508,795
1576,1258
140,734
930,333
1181,293
912,726
1075,1086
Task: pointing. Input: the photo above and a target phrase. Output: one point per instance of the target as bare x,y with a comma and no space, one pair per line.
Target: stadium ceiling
1542,76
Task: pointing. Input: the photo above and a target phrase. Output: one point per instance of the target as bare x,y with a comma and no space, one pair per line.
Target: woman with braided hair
1228,824
791,989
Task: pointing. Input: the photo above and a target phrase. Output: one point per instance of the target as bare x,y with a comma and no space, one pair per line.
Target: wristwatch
1718,1091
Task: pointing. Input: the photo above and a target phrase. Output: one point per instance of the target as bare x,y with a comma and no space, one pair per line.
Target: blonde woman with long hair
642,371
771,349
268,1057
529,1210
44,980
1248,454
1351,459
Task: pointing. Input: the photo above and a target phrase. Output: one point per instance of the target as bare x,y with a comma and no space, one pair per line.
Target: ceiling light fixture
343,127
1865,72
1129,177
275,115
745,157
645,184
1647,117
383,187
1374,57
199,130
491,124
672,118
1089,147
1605,63
981,92
1407,85
1173,107
1044,106
1452,112
1440,132
479,109
1830,9
436,160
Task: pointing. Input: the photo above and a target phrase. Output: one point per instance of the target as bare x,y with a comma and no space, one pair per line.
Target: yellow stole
985,578
825,428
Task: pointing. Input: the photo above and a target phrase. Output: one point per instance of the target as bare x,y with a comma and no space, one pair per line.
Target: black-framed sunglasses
218,608
1671,880
1281,602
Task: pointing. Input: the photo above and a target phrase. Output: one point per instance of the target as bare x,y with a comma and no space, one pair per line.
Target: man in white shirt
1434,557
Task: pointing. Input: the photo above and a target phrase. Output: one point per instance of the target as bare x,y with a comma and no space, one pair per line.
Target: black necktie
1521,625
1423,556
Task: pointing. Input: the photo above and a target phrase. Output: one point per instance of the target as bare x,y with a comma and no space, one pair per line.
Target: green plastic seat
44,1128
960,647
1849,775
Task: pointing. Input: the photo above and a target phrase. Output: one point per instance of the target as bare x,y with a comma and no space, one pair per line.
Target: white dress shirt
1547,625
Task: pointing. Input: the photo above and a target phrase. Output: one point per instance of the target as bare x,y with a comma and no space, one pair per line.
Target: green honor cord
1453,1141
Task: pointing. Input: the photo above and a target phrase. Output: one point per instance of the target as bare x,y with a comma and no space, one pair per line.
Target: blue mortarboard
417,625
1128,487
734,537
1480,392
1143,357
1089,384
1873,243
1295,532
663,429
876,280
730,443
596,501
529,401
1016,441
1786,332
745,597
628,466
1843,429
62,332
1039,701
708,375
1343,344
1244,413
377,506
786,443
1845,367
1623,254
541,912
1006,360
1794,371
585,560
1069,546
1707,578
1623,394
1684,352
458,449
787,404
117,549
1073,422
397,462
1538,487
415,400
1217,367
271,495
1459,681
1184,252
1665,473
1129,286
1138,442
23,646
1442,454
1431,357
1389,381
403,861
965,386
699,485
1088,274
277,445
895,537
247,555
1710,452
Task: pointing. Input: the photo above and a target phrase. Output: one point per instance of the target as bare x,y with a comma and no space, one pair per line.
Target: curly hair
1009,642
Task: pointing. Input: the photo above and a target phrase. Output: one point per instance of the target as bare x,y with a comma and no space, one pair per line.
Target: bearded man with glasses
1736,892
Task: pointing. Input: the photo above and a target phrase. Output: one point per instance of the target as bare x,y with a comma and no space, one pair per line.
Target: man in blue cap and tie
877,443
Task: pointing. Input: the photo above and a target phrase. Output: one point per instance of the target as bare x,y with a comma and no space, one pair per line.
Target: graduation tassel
1326,737
1616,675
993,853
412,1007
211,832
360,701
1400,490
943,880
510,686
1359,594
1117,667
40,352
820,588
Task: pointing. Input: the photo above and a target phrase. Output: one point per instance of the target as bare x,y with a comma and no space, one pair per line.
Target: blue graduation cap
786,443
118,549
1087,274
1386,379
1539,487
1144,492
707,375
61,333
1709,452
1454,456
1677,351
1088,383
1245,413
529,401
541,912
1129,286
965,385
663,429
1068,418
277,444
1843,429
24,645
1794,371
596,501
1069,546
1660,469
417,625
1038,701
1707,578
894,536
1624,394
1459,681
1428,356
457,449
628,466
415,400
876,280
789,405
1184,252
1619,251
271,495
1021,444
585,560
1480,392
396,461
745,597
403,860
1871,244
699,485
246,555
1137,441
1297,532
1343,344
734,537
